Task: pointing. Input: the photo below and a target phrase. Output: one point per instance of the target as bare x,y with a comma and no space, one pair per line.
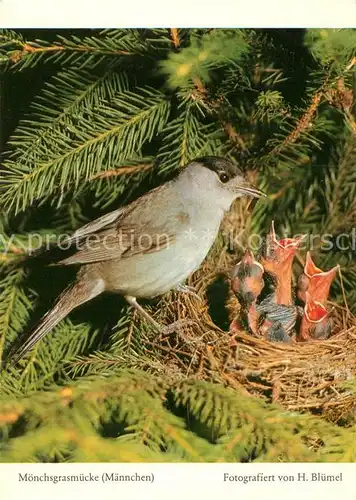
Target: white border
182,482
177,13
178,481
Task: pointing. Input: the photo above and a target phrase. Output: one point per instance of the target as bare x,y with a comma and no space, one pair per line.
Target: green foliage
72,156
81,52
269,105
136,417
111,114
183,138
205,53
15,306
332,46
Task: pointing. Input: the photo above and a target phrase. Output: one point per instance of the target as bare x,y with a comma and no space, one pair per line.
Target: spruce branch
183,138
332,89
88,142
111,133
68,94
22,54
15,306
331,47
217,107
11,248
340,191
143,167
175,37
302,124
136,401
50,359
209,51
137,411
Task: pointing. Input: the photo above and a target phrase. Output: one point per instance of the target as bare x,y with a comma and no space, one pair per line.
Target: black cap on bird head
228,171
219,164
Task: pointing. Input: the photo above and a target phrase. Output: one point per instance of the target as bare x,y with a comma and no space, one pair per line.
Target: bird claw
188,290
176,326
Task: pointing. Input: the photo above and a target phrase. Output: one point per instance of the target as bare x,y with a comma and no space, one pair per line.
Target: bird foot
188,290
177,326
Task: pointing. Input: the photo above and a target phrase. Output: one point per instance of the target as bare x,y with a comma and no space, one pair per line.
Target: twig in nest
131,327
276,390
344,319
352,64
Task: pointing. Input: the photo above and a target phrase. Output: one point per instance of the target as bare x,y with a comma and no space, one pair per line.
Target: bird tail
72,297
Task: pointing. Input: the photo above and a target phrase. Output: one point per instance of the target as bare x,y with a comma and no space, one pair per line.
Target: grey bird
152,245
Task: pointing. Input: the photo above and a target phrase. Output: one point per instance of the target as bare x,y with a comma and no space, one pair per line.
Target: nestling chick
247,279
277,321
316,323
276,257
247,283
315,281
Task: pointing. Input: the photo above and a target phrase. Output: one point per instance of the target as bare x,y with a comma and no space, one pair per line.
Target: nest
310,376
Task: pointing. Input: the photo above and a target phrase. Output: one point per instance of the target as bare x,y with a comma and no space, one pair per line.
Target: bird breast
151,274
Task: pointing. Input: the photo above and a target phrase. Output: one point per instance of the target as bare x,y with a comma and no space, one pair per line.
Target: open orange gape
269,308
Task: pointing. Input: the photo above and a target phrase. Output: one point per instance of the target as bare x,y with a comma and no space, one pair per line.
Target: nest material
310,376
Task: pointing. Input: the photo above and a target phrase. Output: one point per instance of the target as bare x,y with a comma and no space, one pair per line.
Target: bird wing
136,228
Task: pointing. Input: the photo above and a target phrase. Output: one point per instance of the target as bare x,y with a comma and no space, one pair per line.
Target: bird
276,311
247,283
266,318
247,279
276,257
150,246
315,281
276,321
316,322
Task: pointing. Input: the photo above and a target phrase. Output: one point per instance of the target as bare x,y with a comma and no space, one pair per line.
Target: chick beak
250,190
277,260
316,281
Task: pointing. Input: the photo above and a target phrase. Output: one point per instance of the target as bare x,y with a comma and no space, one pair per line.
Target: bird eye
223,177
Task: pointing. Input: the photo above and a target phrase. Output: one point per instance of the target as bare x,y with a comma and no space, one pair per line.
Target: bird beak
250,190
319,282
277,259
